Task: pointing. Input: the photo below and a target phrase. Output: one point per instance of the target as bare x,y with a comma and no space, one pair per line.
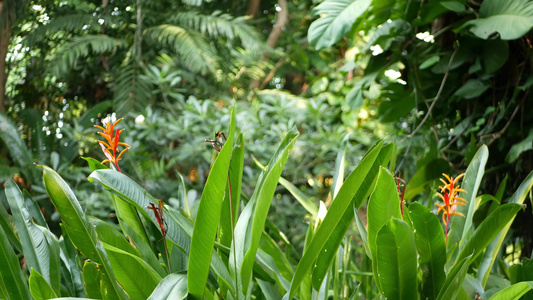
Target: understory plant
366,243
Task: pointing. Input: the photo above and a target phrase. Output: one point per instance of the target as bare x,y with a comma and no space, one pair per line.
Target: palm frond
196,53
82,46
131,92
218,25
66,23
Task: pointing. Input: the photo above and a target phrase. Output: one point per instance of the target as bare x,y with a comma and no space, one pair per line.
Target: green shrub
165,252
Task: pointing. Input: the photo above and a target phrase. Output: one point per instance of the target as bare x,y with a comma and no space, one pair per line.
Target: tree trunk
253,8
5,32
281,20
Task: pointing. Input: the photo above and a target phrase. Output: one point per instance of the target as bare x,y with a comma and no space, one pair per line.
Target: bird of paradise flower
110,146
449,191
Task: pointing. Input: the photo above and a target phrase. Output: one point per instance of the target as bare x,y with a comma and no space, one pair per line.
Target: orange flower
112,142
451,200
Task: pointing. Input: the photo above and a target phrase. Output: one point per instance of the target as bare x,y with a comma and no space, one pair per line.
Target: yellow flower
110,146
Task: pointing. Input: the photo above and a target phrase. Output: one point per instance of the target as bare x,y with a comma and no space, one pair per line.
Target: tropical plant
229,249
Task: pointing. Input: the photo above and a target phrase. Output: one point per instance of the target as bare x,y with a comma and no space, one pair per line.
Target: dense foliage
445,83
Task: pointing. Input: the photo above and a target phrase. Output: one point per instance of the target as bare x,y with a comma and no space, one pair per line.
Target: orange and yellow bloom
110,146
451,200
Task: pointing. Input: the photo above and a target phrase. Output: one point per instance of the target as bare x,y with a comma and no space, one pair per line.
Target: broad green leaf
261,200
513,292
304,200
495,54
79,230
473,88
338,208
40,289
94,164
336,19
518,148
225,234
179,229
512,19
12,280
207,219
396,260
338,174
91,280
109,235
490,256
474,173
128,190
300,196
489,229
384,204
128,216
41,255
71,273
127,268
454,279
431,248
172,287
334,240
424,176
34,209
269,246
8,225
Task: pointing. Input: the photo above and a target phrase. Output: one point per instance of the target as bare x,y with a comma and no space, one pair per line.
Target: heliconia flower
110,146
449,196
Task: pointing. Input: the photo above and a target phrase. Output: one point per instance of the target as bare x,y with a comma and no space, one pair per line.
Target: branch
438,94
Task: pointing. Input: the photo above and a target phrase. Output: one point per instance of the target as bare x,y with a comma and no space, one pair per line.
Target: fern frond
219,25
196,53
82,46
66,23
131,92
194,2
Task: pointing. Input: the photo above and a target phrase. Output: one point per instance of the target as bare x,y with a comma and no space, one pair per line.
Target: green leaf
40,288
334,240
79,230
16,146
454,279
431,248
71,273
301,197
337,18
471,89
512,19
489,229
91,280
424,176
197,54
174,286
474,173
396,260
7,224
513,292
94,164
331,221
40,254
11,278
518,148
495,54
225,234
207,219
384,204
261,200
127,268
